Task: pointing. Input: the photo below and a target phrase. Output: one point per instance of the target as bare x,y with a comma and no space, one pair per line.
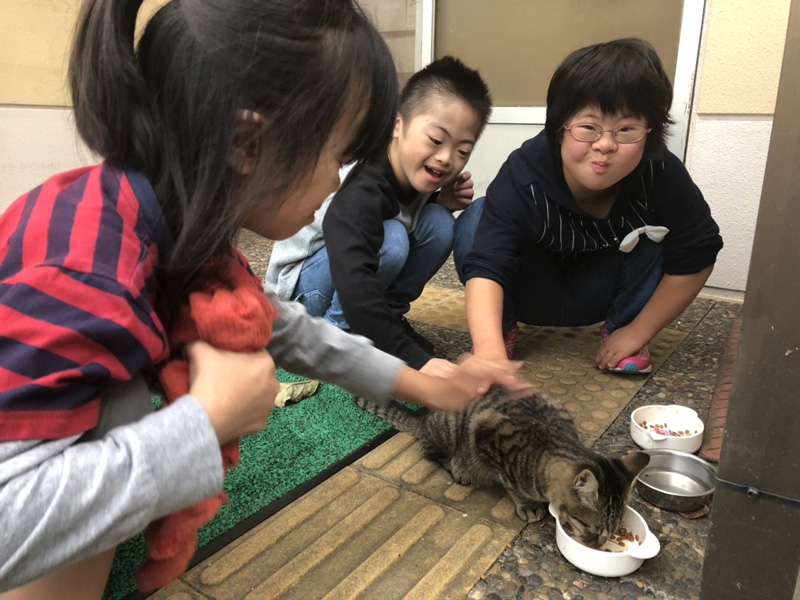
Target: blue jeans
605,285
405,265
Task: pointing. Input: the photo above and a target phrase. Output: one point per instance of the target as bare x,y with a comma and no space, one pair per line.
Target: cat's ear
634,462
585,484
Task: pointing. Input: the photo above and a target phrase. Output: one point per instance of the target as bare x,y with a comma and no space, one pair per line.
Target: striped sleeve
76,288
64,332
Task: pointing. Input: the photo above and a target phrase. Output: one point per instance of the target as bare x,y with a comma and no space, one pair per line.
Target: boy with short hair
375,244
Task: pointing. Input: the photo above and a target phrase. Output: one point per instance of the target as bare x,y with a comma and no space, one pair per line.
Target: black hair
446,76
623,76
172,106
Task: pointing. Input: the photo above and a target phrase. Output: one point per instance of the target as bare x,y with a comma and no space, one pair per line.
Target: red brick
717,423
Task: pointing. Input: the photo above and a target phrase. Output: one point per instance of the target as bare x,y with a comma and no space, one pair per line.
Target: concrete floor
392,525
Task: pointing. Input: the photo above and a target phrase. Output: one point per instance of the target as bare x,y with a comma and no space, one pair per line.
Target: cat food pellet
664,429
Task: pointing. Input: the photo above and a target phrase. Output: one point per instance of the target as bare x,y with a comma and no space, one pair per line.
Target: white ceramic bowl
673,427
610,564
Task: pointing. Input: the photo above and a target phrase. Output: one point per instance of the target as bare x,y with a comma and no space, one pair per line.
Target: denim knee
464,233
316,303
394,251
435,230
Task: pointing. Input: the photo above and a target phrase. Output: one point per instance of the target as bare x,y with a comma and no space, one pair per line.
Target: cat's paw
459,479
456,473
531,512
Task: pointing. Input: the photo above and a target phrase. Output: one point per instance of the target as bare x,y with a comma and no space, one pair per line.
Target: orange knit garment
230,312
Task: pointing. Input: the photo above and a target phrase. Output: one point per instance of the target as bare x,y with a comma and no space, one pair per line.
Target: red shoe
634,364
509,341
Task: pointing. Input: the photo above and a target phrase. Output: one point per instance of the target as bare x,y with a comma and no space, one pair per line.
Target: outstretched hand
458,194
472,378
439,367
495,372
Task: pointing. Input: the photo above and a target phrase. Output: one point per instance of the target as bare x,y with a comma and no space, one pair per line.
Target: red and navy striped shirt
77,288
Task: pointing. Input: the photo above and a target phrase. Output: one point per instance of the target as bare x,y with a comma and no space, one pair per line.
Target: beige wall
35,37
731,123
743,54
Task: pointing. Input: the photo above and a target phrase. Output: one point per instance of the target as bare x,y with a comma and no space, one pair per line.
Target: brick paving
720,401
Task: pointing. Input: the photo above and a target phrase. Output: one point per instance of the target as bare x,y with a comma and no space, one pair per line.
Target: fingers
237,390
438,367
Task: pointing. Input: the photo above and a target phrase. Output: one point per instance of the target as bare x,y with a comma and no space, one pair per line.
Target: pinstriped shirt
529,203
77,284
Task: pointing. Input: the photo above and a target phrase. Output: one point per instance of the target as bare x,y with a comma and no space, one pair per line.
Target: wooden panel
517,44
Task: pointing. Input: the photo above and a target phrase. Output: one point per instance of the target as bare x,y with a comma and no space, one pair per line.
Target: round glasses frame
598,133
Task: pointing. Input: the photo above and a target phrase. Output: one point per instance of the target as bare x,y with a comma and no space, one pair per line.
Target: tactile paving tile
432,299
559,362
353,536
446,308
400,462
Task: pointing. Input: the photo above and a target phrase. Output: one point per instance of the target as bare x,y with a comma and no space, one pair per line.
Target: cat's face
591,506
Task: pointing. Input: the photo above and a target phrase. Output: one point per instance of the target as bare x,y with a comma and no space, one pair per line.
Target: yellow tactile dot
602,378
590,426
619,393
573,407
559,391
554,366
537,385
584,397
544,375
627,385
568,381
563,359
609,404
593,387
577,372
600,415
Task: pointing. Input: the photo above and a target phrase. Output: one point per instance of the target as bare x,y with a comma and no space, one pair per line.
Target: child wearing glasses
591,220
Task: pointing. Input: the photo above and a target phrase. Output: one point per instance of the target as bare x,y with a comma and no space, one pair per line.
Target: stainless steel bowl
677,481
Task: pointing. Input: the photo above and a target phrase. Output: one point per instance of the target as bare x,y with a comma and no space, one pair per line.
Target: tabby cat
531,448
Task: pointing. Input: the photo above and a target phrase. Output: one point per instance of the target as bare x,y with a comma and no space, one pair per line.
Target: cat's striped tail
396,414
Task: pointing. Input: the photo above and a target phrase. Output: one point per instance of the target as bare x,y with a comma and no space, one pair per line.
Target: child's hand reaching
458,194
439,367
237,390
495,372
471,378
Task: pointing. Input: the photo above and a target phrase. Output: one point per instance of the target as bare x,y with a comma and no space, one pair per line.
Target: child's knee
464,230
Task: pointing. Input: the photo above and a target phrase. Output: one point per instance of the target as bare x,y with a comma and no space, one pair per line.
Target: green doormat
302,444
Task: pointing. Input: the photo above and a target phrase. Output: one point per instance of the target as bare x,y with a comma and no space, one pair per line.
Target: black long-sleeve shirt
353,231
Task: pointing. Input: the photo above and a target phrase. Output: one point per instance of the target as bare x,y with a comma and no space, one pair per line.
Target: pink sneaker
509,340
637,363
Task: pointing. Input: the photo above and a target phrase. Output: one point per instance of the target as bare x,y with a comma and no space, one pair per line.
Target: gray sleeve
64,501
288,256
312,347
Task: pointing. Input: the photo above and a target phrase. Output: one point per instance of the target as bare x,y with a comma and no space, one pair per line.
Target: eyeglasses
627,134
